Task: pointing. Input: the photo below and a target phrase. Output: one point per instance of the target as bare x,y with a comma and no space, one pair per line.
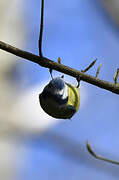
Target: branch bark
47,63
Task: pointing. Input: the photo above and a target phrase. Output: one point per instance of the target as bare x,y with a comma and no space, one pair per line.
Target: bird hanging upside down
60,99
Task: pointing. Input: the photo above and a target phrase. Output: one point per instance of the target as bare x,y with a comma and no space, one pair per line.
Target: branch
47,63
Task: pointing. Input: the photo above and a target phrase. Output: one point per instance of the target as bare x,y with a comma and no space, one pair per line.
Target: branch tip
98,156
90,149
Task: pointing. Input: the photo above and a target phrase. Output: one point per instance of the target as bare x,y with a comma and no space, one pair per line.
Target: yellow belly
74,96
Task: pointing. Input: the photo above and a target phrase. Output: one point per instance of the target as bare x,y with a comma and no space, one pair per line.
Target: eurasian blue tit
60,99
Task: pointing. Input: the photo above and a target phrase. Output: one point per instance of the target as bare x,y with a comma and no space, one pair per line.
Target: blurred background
32,144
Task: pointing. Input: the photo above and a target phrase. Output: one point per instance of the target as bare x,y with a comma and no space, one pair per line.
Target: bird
60,99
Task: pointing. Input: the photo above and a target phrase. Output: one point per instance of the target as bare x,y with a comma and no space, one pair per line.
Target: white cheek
65,93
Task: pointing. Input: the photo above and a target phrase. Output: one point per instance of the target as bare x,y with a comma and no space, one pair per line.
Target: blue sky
77,31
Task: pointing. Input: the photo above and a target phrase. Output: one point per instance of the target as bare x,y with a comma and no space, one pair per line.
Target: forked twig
98,156
41,29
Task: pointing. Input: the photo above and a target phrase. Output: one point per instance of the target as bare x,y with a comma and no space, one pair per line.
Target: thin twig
98,70
116,75
45,62
90,66
98,156
59,60
41,29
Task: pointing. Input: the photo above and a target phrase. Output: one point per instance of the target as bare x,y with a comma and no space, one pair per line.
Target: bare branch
47,63
98,156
